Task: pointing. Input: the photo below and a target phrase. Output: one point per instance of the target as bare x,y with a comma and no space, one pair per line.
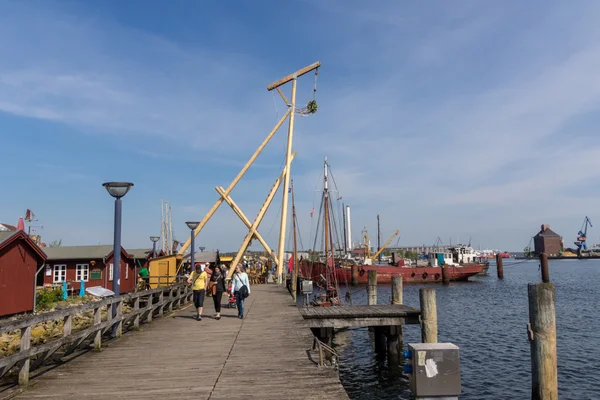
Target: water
487,318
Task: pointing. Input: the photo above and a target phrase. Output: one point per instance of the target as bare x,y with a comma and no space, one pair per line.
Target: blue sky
461,119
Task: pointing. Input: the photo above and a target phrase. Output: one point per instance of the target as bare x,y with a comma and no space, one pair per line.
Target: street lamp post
154,240
117,190
192,225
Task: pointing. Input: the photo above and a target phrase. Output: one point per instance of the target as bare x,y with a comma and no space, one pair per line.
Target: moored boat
460,261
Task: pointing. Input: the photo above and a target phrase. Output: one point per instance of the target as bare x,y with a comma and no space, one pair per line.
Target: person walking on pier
240,288
217,287
198,281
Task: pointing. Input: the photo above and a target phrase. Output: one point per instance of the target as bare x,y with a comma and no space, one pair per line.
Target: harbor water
487,318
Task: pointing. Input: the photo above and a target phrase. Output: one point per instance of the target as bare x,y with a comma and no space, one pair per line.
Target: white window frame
126,271
82,272
61,269
110,272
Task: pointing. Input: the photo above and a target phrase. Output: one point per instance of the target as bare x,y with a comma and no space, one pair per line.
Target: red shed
20,259
91,264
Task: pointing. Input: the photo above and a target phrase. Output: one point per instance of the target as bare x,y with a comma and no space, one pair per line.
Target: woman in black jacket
217,283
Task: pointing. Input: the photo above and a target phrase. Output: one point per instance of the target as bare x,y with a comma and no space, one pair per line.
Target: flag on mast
29,215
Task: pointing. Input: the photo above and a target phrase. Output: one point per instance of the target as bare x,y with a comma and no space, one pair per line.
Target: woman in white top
239,280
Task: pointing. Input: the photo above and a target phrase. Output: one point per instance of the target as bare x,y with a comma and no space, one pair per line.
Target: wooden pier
268,355
355,316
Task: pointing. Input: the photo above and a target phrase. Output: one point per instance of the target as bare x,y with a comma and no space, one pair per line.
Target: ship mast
326,225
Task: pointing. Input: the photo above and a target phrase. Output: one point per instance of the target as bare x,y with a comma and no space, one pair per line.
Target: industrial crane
582,235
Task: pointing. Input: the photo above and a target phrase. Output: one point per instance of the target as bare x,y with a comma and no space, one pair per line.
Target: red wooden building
92,264
20,259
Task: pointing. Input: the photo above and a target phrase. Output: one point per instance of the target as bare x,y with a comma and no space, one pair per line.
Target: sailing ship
329,270
323,272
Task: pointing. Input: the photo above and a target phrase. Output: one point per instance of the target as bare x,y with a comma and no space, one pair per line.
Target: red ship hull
385,273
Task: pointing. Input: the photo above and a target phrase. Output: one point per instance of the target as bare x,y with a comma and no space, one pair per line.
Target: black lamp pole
117,190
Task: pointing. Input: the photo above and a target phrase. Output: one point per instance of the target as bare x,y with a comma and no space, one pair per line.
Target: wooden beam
239,176
296,74
252,231
245,220
283,96
342,323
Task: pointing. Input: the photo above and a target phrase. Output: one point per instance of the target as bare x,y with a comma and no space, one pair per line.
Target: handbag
243,291
212,288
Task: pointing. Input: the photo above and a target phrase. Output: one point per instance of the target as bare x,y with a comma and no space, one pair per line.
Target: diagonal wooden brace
239,176
258,219
236,209
252,232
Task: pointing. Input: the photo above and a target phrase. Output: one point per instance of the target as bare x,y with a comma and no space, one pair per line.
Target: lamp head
192,224
117,189
154,239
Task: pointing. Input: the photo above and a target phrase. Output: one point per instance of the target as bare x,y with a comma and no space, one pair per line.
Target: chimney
544,227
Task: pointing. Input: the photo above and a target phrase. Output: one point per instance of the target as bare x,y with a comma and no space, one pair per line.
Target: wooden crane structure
225,194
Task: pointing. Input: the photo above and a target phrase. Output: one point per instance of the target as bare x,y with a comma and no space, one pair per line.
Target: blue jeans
239,300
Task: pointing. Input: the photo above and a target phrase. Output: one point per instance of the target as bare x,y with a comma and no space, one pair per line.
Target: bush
47,297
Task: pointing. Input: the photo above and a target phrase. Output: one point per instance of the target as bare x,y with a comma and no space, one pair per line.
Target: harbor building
547,241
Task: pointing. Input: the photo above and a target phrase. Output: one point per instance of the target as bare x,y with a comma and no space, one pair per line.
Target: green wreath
311,107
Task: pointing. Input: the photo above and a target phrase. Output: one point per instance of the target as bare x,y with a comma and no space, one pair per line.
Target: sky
466,120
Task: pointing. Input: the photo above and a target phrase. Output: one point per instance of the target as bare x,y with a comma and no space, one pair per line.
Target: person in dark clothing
217,284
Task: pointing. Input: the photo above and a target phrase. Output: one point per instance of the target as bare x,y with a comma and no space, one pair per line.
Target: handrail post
150,307
24,365
136,310
119,331
98,334
161,307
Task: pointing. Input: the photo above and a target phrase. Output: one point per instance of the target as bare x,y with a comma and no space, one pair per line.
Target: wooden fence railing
327,355
145,304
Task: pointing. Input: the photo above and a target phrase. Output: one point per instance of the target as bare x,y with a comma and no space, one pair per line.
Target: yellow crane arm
385,244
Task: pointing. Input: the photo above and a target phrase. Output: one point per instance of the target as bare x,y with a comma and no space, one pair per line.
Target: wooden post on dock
394,334
429,331
499,266
355,275
542,336
544,267
397,289
445,275
372,288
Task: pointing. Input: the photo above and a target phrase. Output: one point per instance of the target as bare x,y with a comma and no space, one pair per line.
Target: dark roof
140,253
11,228
7,237
80,252
203,256
547,233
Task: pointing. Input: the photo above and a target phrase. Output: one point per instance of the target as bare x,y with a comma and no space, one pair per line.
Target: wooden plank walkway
265,356
352,316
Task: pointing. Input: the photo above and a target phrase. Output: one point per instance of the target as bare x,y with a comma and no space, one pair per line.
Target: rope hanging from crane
312,105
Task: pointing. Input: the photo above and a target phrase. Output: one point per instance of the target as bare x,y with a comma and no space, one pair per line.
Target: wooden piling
499,266
429,331
372,288
544,267
445,275
380,339
397,289
542,337
394,344
355,275
395,337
